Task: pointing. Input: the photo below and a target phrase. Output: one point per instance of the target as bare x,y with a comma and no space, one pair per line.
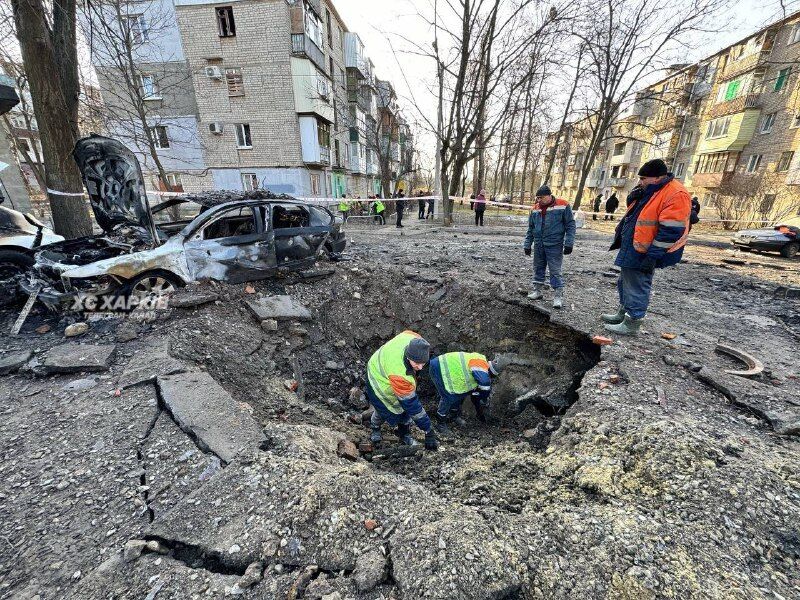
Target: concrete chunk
13,361
204,410
278,307
149,363
76,358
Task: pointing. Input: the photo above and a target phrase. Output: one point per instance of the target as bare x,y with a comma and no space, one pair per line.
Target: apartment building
728,126
248,94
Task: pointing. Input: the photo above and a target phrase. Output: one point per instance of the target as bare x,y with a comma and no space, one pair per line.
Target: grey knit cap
418,350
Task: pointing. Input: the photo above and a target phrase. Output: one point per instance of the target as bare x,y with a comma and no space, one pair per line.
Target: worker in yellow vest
458,375
392,388
344,207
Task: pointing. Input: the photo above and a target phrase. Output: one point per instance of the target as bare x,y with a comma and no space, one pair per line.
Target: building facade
278,95
727,126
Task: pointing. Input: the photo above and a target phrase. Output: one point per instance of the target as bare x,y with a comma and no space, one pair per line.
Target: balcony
595,179
617,182
303,46
745,64
667,123
354,57
711,180
740,131
372,168
734,106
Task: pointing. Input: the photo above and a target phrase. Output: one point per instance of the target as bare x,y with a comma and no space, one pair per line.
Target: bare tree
136,72
46,32
626,41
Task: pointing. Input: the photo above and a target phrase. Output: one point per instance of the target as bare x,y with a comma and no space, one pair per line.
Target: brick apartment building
728,126
278,94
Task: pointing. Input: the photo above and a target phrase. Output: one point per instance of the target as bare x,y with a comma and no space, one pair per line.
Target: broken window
174,181
136,27
619,148
233,77
243,139
753,163
768,122
232,223
249,182
160,137
285,216
314,185
780,81
225,23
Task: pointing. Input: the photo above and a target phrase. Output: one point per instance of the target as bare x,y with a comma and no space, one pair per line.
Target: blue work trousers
548,258
449,404
383,414
634,287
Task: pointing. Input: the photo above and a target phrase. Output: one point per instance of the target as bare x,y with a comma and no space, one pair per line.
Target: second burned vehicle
144,252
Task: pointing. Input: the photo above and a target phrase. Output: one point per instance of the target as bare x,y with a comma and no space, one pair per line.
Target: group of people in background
377,208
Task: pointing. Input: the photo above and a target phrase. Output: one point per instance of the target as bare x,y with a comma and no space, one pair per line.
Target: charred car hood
114,180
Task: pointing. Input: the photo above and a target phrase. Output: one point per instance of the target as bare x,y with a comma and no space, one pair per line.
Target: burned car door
300,231
231,246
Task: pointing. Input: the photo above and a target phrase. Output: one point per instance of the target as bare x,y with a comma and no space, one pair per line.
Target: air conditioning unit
214,72
216,128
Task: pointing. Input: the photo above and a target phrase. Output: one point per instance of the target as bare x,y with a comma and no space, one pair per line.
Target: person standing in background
611,206
480,207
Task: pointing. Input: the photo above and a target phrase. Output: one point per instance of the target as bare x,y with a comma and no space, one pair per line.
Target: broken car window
288,215
232,223
319,217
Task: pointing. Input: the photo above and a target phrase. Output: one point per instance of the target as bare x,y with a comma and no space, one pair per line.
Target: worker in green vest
392,388
378,209
344,207
458,375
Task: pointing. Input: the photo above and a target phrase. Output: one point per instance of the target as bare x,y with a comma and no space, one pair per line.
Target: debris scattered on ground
76,329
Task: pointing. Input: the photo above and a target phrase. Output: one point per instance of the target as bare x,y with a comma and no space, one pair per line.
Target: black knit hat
544,191
653,168
418,350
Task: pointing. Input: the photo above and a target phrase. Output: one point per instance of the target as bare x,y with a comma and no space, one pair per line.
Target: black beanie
653,168
544,191
418,350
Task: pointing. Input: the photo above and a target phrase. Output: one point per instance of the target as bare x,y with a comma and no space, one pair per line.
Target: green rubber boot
629,326
614,318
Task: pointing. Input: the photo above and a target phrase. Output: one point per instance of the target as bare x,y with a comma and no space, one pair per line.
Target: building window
768,122
729,91
785,161
136,26
795,121
249,182
243,139
619,148
679,169
314,185
780,81
331,68
330,30
226,26
688,137
794,36
753,163
718,127
175,182
715,163
233,77
148,87
160,137
314,29
323,85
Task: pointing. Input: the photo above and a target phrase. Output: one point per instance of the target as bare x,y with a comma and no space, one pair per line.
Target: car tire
152,284
790,250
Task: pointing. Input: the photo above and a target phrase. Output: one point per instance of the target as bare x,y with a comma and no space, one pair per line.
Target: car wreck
146,252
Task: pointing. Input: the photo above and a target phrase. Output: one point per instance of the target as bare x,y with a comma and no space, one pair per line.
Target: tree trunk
50,58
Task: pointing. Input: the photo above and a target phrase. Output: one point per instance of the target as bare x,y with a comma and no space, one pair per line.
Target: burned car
147,252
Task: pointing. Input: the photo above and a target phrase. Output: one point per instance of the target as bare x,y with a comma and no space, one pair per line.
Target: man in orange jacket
651,236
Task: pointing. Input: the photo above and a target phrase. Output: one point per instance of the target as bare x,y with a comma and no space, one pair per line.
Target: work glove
527,251
431,443
567,249
648,265
481,408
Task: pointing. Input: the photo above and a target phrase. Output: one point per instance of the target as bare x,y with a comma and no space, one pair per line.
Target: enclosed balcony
354,57
711,180
303,46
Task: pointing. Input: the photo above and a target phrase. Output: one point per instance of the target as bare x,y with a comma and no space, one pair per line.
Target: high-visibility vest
389,362
343,206
379,207
669,206
457,370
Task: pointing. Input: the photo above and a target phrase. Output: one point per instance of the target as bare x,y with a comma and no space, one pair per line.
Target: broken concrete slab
12,361
77,358
203,409
278,307
149,363
192,298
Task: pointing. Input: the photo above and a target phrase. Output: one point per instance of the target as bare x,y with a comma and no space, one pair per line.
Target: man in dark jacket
401,206
596,207
420,206
651,235
551,232
611,206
